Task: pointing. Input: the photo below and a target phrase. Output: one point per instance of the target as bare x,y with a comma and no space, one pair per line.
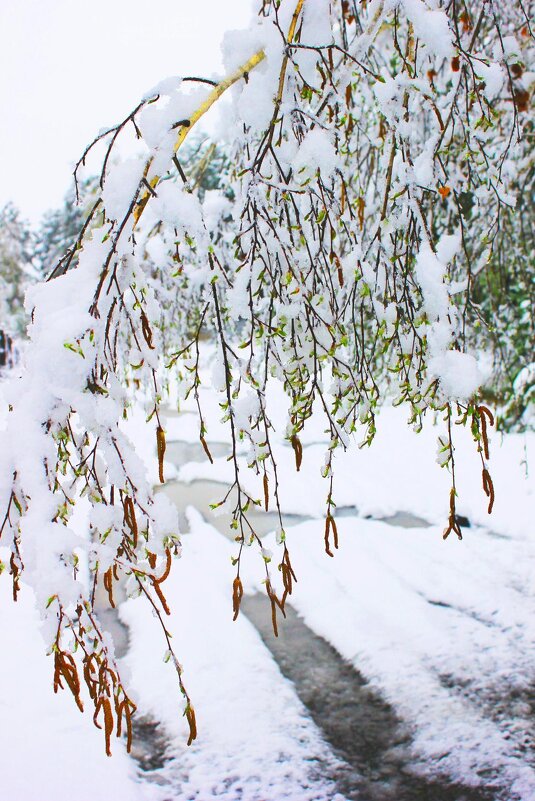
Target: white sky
71,67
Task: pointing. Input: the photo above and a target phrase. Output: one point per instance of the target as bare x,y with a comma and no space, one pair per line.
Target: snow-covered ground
444,632
48,750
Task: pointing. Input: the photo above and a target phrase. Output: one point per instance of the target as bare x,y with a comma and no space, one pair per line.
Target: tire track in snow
362,728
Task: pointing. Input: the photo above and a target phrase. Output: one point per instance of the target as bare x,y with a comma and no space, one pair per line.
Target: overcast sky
72,67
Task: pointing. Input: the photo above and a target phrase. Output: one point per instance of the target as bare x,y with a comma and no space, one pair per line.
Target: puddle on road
202,493
180,453
361,727
403,520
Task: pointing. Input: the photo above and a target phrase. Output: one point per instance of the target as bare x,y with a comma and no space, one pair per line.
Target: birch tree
374,155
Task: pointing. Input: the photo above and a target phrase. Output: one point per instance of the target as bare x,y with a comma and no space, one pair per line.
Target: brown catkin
237,595
161,596
130,518
146,329
108,586
108,724
167,570
89,676
119,714
190,717
160,442
328,522
98,706
128,715
453,525
483,414
298,451
488,488
206,449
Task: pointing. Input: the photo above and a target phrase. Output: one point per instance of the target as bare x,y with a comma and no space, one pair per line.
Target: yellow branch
217,92
214,95
289,39
282,76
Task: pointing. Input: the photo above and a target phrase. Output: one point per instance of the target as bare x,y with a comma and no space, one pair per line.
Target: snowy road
363,729
408,672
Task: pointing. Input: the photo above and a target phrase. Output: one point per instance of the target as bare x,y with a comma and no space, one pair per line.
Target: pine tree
16,268
57,231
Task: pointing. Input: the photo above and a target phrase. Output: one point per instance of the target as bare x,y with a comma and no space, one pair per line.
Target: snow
167,86
317,24
524,385
457,616
494,76
510,48
156,119
316,31
122,181
214,207
430,273
448,246
458,373
177,207
316,152
388,90
254,98
48,750
424,171
431,26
